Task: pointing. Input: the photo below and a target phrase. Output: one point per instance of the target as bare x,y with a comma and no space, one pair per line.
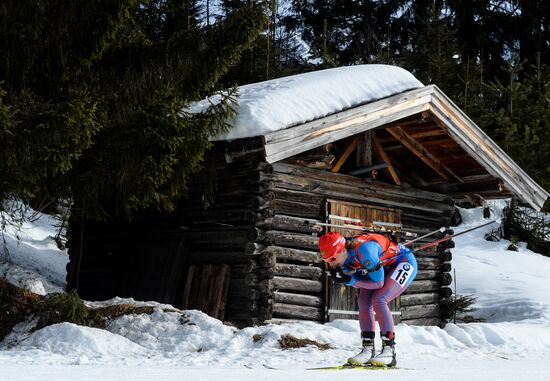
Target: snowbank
171,345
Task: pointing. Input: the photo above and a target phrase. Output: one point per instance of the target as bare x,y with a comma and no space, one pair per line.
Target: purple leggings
371,301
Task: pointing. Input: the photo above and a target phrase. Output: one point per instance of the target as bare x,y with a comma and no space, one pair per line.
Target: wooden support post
384,157
364,151
346,153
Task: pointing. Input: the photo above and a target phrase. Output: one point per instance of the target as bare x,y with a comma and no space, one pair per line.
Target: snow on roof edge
281,103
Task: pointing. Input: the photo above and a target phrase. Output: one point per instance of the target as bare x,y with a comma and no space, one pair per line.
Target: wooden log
298,209
442,256
298,271
445,279
266,259
297,299
296,255
245,155
249,305
291,224
425,263
237,291
445,267
215,244
253,249
424,286
347,187
293,240
430,220
217,257
417,299
233,201
250,267
354,182
282,310
445,292
294,284
223,216
427,274
420,311
432,321
305,197
254,278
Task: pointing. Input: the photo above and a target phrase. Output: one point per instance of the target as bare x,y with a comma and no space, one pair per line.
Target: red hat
331,244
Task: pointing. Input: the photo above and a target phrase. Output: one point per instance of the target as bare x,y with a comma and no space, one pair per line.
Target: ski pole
438,241
440,230
429,244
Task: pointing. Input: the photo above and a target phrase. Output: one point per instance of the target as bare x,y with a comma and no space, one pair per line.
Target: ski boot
363,357
387,356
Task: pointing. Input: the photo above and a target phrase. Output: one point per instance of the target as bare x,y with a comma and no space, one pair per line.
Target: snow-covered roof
276,104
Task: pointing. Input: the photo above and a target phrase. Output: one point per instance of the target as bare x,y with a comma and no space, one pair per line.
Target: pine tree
92,93
517,117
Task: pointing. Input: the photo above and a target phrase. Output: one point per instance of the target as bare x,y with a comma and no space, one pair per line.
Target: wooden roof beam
423,154
350,148
379,151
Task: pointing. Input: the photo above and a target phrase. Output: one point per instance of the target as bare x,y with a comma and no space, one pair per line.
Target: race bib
402,273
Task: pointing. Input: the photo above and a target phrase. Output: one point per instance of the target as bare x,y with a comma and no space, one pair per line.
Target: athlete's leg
366,310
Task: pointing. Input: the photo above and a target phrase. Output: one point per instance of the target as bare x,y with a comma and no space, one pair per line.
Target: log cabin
367,142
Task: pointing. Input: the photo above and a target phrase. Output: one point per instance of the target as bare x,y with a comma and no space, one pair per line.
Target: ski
356,367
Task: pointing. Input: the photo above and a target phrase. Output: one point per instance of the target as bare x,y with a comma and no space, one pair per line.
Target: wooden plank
480,146
201,303
324,133
223,272
349,149
286,135
379,151
187,290
422,153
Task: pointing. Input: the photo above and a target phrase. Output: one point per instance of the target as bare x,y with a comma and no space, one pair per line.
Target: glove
338,275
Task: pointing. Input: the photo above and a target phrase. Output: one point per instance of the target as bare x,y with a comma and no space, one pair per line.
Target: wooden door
341,300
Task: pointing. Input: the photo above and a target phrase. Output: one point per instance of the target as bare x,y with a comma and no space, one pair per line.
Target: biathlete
382,270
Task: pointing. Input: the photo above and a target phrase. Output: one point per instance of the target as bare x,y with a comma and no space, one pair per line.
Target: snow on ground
34,260
272,105
173,345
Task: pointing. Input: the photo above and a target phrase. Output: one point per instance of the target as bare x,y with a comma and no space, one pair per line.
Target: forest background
91,92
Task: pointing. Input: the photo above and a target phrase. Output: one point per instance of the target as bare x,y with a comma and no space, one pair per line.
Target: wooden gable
422,135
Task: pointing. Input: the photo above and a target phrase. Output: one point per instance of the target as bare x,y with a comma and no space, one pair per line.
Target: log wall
256,225
297,193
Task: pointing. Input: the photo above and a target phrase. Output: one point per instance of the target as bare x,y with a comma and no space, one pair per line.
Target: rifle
425,246
354,224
